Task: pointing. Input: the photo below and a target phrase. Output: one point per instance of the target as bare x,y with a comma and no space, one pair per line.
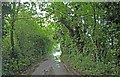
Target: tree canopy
88,34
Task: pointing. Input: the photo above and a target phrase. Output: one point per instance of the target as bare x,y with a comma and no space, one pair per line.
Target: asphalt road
50,67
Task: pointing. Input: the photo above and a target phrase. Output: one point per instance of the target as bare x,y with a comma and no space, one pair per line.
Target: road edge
69,68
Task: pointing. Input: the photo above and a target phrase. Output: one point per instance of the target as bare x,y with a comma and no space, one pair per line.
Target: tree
86,32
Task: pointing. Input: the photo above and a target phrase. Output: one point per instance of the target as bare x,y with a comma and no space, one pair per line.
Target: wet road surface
50,67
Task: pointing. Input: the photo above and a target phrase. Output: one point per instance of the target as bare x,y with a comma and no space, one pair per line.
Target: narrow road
50,67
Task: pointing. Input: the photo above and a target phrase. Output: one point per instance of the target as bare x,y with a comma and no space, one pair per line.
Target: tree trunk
13,15
79,42
12,31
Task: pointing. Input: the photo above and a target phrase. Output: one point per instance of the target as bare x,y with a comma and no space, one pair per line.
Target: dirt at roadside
33,66
69,68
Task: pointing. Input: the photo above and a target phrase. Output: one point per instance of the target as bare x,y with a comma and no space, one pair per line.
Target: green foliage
87,66
88,40
31,42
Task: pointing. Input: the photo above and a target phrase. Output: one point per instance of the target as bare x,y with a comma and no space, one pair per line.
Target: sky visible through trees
88,34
